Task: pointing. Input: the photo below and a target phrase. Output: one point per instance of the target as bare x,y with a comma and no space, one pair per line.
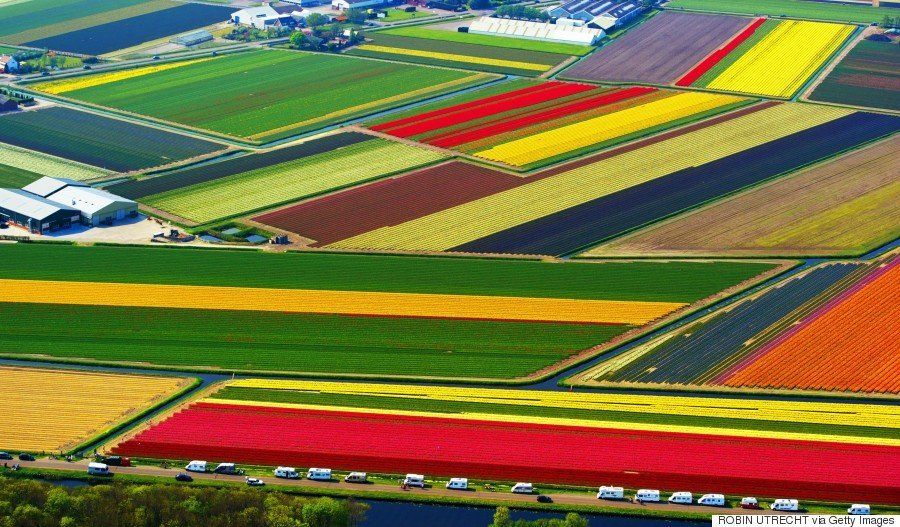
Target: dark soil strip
577,227
202,174
660,50
390,201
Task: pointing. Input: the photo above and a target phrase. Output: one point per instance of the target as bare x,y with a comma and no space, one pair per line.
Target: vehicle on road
115,461
414,480
458,484
610,493
196,466
255,482
859,509
98,469
181,476
5,455
647,496
783,504
228,469
712,500
543,498
750,503
523,488
24,456
681,498
356,477
287,473
319,474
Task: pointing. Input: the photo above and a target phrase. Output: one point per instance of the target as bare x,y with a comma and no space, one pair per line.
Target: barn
96,206
37,214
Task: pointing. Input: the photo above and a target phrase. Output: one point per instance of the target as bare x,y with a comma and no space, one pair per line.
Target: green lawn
490,40
13,177
254,341
458,407
398,15
837,12
611,280
267,95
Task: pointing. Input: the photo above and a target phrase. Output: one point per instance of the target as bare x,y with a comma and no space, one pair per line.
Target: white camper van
523,488
98,469
782,504
712,500
458,484
228,469
196,466
356,477
647,496
286,473
319,474
682,498
749,503
859,509
610,493
414,480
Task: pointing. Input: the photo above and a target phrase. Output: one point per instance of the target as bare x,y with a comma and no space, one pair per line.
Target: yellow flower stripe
558,421
375,104
53,410
781,63
335,302
457,225
605,127
456,58
99,79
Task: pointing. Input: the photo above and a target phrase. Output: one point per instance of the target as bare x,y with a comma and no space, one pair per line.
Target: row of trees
502,519
32,503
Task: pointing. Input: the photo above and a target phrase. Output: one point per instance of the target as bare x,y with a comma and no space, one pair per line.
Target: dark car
26,457
116,461
181,476
5,455
543,498
85,67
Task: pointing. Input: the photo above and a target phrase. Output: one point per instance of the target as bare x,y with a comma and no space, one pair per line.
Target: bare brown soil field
846,206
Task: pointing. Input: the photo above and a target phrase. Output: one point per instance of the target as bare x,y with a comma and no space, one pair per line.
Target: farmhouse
263,17
344,5
604,14
8,64
37,214
571,34
96,206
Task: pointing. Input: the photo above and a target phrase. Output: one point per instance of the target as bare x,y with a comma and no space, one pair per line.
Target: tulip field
357,428
55,410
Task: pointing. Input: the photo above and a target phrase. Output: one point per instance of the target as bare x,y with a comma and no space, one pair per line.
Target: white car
255,482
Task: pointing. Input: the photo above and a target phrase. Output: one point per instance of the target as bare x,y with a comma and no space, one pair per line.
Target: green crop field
612,414
290,181
868,76
36,19
667,281
837,12
16,177
262,96
46,165
490,40
254,341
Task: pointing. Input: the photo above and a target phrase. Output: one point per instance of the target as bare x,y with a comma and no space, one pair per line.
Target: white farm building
570,34
96,206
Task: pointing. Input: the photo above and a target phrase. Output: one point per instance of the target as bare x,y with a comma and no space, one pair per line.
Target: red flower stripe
523,451
487,109
719,54
459,137
384,127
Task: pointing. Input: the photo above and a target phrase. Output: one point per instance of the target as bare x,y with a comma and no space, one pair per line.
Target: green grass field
290,181
837,12
399,15
13,177
253,341
490,40
671,281
609,414
868,76
262,96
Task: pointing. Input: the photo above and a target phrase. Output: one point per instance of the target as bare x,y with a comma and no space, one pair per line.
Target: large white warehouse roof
536,30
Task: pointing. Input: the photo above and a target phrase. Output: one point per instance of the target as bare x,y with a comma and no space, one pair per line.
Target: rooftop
30,205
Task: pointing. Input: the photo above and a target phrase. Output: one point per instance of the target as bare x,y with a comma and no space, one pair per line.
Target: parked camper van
523,488
712,500
196,466
782,504
610,493
356,477
859,509
647,496
287,473
98,469
749,503
414,480
227,468
319,474
458,484
682,498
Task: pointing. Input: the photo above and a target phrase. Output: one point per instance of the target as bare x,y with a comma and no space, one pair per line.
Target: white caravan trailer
712,500
98,469
319,474
458,484
196,466
287,473
414,480
647,496
860,509
782,504
610,493
523,488
356,477
683,498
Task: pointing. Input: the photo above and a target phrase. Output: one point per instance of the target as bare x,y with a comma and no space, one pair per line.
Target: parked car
255,482
181,476
86,67
543,498
26,457
5,455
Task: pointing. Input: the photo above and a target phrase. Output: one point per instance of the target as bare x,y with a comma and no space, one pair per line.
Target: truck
783,504
356,477
523,488
287,473
610,493
98,469
196,466
681,498
414,480
319,474
458,484
116,461
647,496
712,500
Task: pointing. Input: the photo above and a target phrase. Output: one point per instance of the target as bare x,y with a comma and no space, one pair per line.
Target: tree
479,4
298,39
316,20
356,16
574,520
501,518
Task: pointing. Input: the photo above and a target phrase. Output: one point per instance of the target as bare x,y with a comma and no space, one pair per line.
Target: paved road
585,499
